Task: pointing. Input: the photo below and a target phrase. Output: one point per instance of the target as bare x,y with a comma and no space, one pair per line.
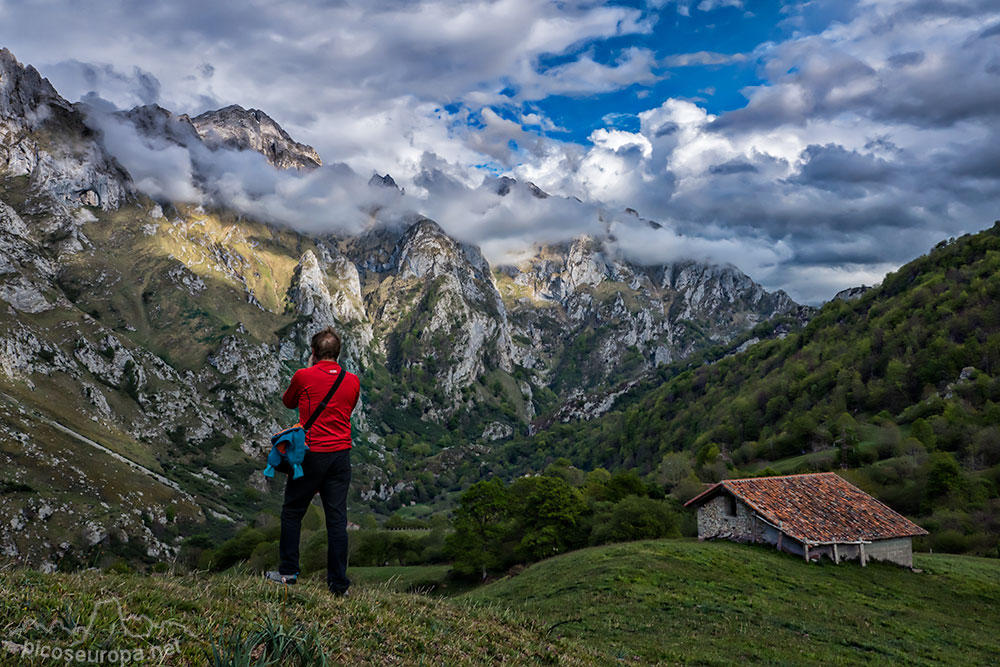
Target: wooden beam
780,535
806,545
864,561
836,555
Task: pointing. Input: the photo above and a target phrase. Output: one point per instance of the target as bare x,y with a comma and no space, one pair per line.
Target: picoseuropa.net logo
62,639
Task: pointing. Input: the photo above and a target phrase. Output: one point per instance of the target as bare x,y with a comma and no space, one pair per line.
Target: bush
949,541
237,549
635,518
943,475
373,548
396,522
120,566
264,556
206,559
313,556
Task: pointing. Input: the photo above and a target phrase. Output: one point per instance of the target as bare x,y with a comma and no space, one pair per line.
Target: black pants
329,474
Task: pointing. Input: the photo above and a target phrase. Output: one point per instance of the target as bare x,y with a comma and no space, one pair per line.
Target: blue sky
816,145
732,31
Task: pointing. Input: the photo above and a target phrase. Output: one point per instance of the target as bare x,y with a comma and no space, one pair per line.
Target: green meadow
651,602
723,603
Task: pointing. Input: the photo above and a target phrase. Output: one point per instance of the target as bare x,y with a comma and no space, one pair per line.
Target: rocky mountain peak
46,138
426,251
252,129
153,120
23,91
384,182
325,290
327,281
308,289
504,184
586,263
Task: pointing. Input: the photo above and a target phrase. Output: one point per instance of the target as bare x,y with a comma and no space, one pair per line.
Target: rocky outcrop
852,293
251,129
434,304
497,431
252,370
153,121
44,137
505,184
326,291
379,181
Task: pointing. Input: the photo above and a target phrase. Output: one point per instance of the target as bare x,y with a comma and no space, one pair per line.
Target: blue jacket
287,446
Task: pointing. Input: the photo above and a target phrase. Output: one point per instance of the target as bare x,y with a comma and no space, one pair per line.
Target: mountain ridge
163,330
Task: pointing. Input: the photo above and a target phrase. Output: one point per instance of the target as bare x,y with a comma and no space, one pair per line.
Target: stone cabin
812,515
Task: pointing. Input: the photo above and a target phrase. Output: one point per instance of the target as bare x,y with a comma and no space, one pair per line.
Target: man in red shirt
327,465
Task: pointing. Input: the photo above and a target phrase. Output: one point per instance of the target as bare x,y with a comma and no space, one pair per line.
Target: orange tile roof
817,507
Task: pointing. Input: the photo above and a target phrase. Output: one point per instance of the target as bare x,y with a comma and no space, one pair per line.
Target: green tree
623,484
943,475
596,486
549,513
923,432
237,549
481,524
674,467
563,468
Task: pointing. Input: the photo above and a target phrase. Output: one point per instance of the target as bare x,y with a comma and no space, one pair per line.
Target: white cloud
848,165
709,5
865,144
585,76
704,58
365,83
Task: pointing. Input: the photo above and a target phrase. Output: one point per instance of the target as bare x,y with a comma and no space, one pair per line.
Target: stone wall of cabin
714,523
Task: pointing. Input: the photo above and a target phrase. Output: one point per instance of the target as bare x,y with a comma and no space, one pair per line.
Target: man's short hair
326,344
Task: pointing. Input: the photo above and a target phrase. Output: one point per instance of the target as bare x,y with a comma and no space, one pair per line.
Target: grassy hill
238,620
721,603
665,601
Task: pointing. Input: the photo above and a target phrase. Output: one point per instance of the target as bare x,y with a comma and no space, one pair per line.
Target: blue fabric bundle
287,447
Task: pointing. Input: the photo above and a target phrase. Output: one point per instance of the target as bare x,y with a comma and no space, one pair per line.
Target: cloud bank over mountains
868,135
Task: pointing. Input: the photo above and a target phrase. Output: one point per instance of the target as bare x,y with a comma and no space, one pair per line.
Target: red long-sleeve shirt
332,430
